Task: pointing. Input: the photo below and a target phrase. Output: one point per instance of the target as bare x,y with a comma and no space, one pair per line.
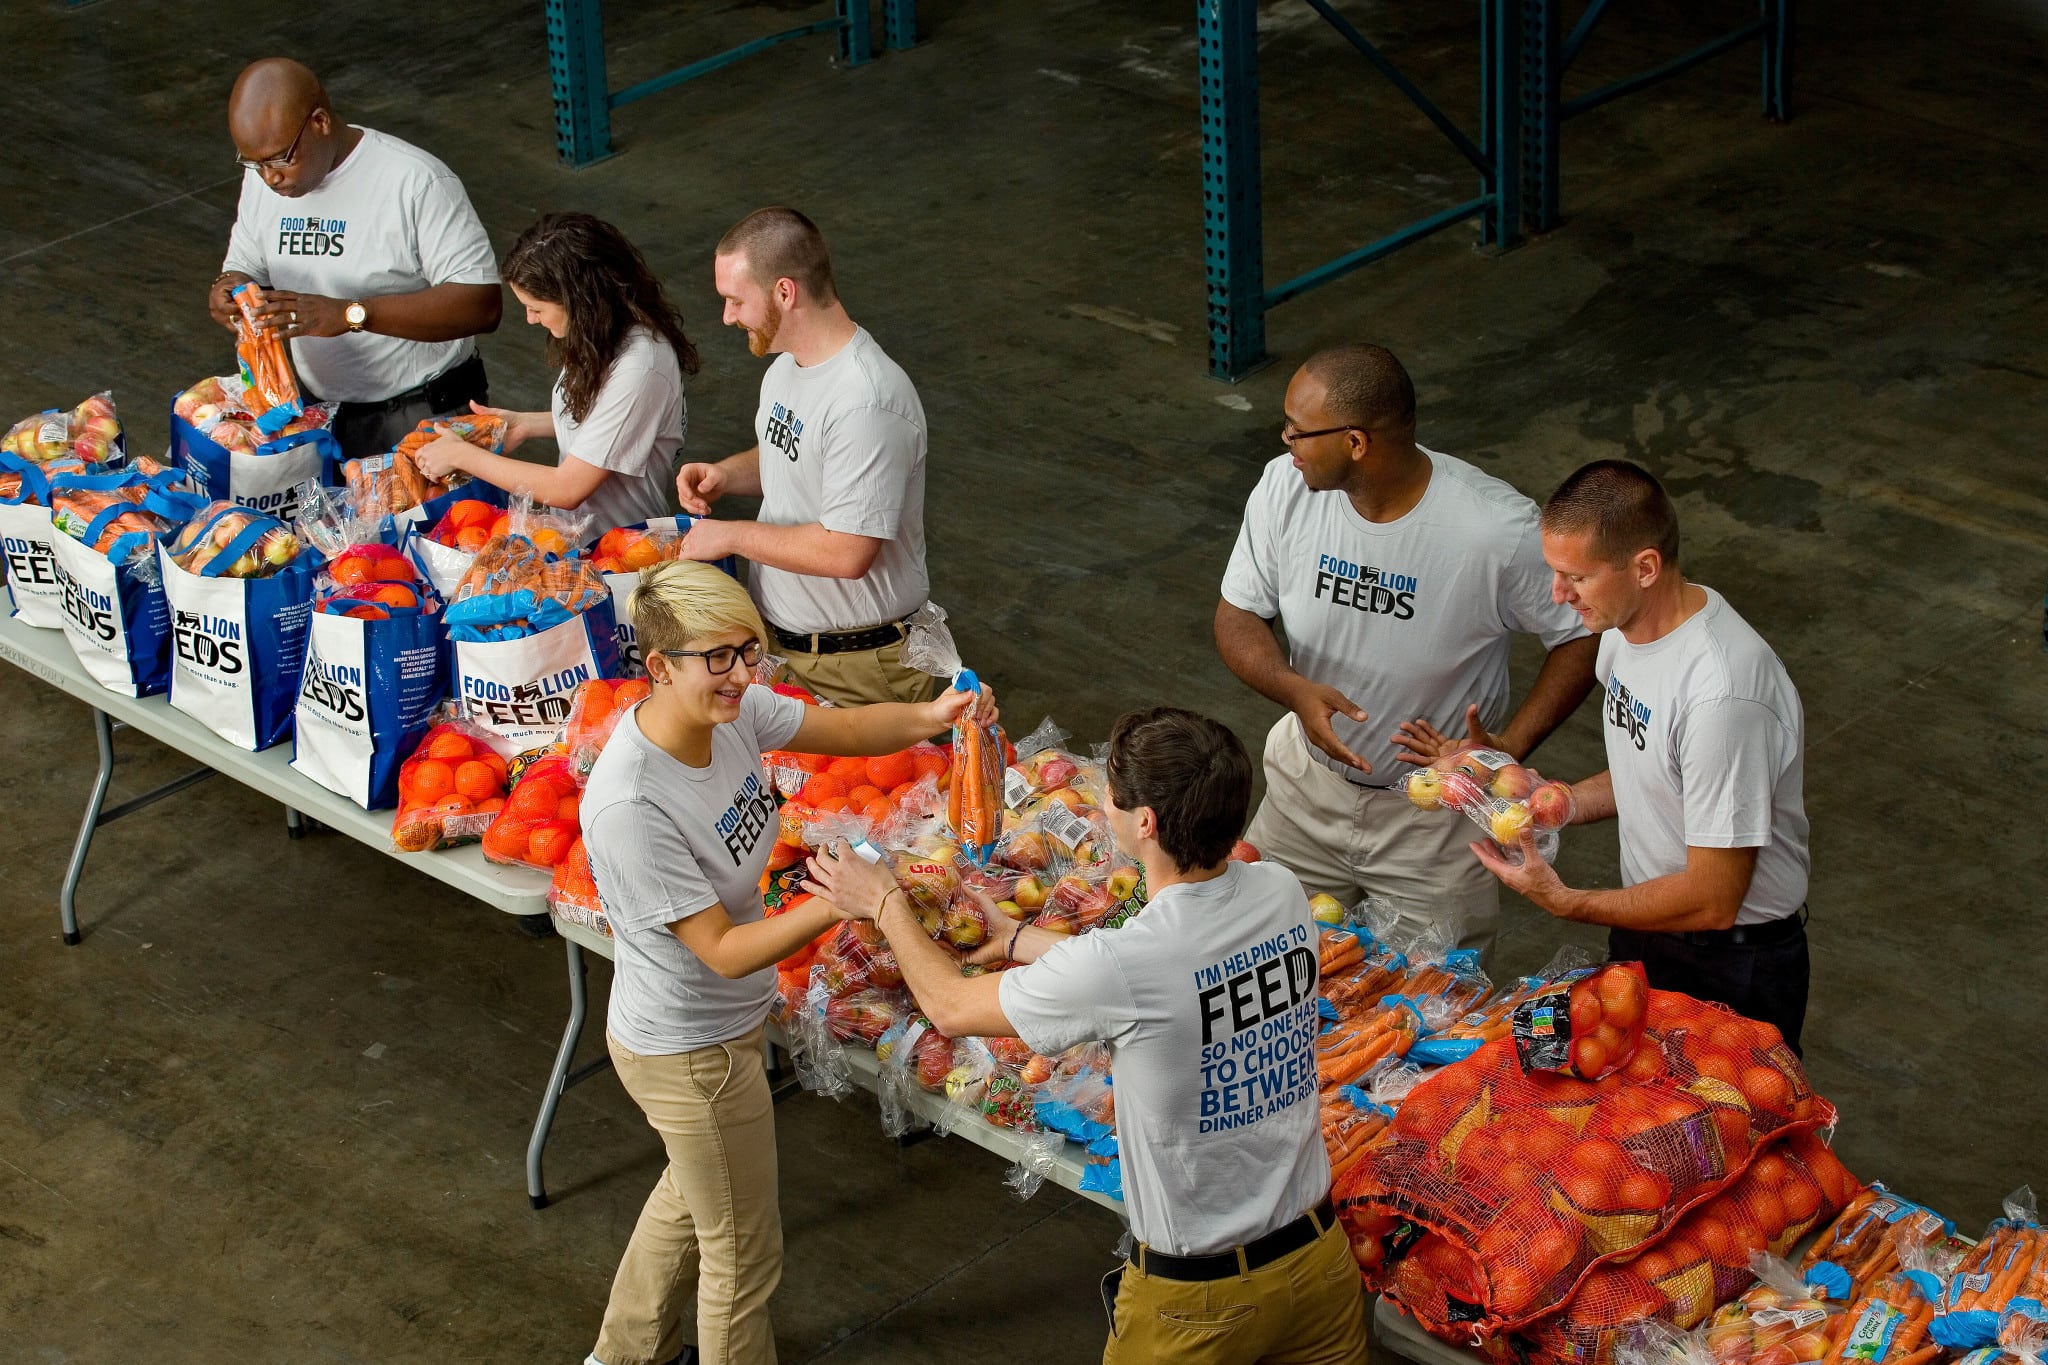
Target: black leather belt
445,392
1222,1265
1767,934
839,641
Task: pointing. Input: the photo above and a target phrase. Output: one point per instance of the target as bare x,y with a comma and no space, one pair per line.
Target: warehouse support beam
1232,210
1546,57
584,100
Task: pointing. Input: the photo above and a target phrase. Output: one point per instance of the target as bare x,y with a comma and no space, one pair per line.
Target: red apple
1550,805
1513,782
1242,852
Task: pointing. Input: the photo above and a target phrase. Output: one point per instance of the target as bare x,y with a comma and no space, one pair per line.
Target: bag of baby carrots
266,367
974,796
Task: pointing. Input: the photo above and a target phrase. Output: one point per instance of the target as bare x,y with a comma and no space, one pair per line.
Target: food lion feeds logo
1625,712
30,563
298,236
90,610
283,504
213,643
752,811
334,688
1362,587
785,430
532,704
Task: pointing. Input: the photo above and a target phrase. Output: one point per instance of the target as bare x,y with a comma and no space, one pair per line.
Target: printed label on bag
1061,823
1798,1319
1016,788
1870,1336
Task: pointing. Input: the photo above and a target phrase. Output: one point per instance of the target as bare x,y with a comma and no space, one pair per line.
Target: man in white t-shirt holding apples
836,553
1706,758
1207,999
1399,576
372,263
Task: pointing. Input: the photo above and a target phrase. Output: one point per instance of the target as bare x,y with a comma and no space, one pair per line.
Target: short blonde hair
681,600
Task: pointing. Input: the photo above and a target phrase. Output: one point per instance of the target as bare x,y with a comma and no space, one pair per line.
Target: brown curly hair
586,265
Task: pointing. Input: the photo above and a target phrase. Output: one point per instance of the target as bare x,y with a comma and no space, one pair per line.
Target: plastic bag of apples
1505,798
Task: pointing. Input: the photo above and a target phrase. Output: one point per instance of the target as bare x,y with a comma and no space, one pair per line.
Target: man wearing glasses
372,262
1399,575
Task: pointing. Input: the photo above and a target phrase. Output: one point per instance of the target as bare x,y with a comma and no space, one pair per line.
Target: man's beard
759,342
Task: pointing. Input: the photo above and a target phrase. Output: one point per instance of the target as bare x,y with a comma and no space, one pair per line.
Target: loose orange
472,538
396,595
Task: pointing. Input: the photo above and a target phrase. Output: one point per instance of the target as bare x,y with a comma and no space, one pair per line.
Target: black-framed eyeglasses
1288,435
719,659
291,153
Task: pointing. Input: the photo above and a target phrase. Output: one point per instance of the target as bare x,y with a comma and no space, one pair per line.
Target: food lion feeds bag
527,626
109,584
216,441
621,553
239,585
375,659
393,482
34,449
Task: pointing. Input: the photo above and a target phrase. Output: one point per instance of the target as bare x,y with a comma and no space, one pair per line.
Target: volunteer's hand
519,426
850,882
994,950
698,486
1426,744
291,315
707,540
950,705
443,455
1315,704
219,300
1535,879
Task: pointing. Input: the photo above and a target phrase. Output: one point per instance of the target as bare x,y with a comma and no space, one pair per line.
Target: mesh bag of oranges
1586,1023
450,788
537,825
1538,1175
594,711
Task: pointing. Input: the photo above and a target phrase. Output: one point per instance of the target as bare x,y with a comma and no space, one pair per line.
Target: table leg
294,824
562,1077
67,899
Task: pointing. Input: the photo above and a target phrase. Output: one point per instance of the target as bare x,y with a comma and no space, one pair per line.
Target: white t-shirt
388,220
1208,1004
1410,617
843,445
667,841
1706,741
634,428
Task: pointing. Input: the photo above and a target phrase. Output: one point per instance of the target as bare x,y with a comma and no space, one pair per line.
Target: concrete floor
254,1118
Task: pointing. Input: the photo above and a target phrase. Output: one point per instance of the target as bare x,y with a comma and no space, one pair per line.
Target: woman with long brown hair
618,413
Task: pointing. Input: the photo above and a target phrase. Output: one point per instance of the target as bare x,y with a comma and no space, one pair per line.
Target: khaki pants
1350,841
1303,1309
863,677
712,1227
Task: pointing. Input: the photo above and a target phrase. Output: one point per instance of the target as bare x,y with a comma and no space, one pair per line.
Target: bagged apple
1505,798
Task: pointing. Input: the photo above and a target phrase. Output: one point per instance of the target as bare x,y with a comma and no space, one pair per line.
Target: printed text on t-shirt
785,429
1625,712
752,810
1259,1023
311,236
1363,587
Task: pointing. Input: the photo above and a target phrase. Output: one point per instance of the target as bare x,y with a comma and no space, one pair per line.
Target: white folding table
47,655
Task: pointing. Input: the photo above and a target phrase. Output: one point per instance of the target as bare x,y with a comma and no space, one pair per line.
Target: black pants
1765,981
373,428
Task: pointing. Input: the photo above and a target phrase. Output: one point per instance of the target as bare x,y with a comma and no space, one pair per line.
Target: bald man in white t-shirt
372,263
1399,575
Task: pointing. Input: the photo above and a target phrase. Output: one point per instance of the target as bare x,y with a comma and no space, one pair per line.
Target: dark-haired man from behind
1706,745
1207,1000
837,551
1399,576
